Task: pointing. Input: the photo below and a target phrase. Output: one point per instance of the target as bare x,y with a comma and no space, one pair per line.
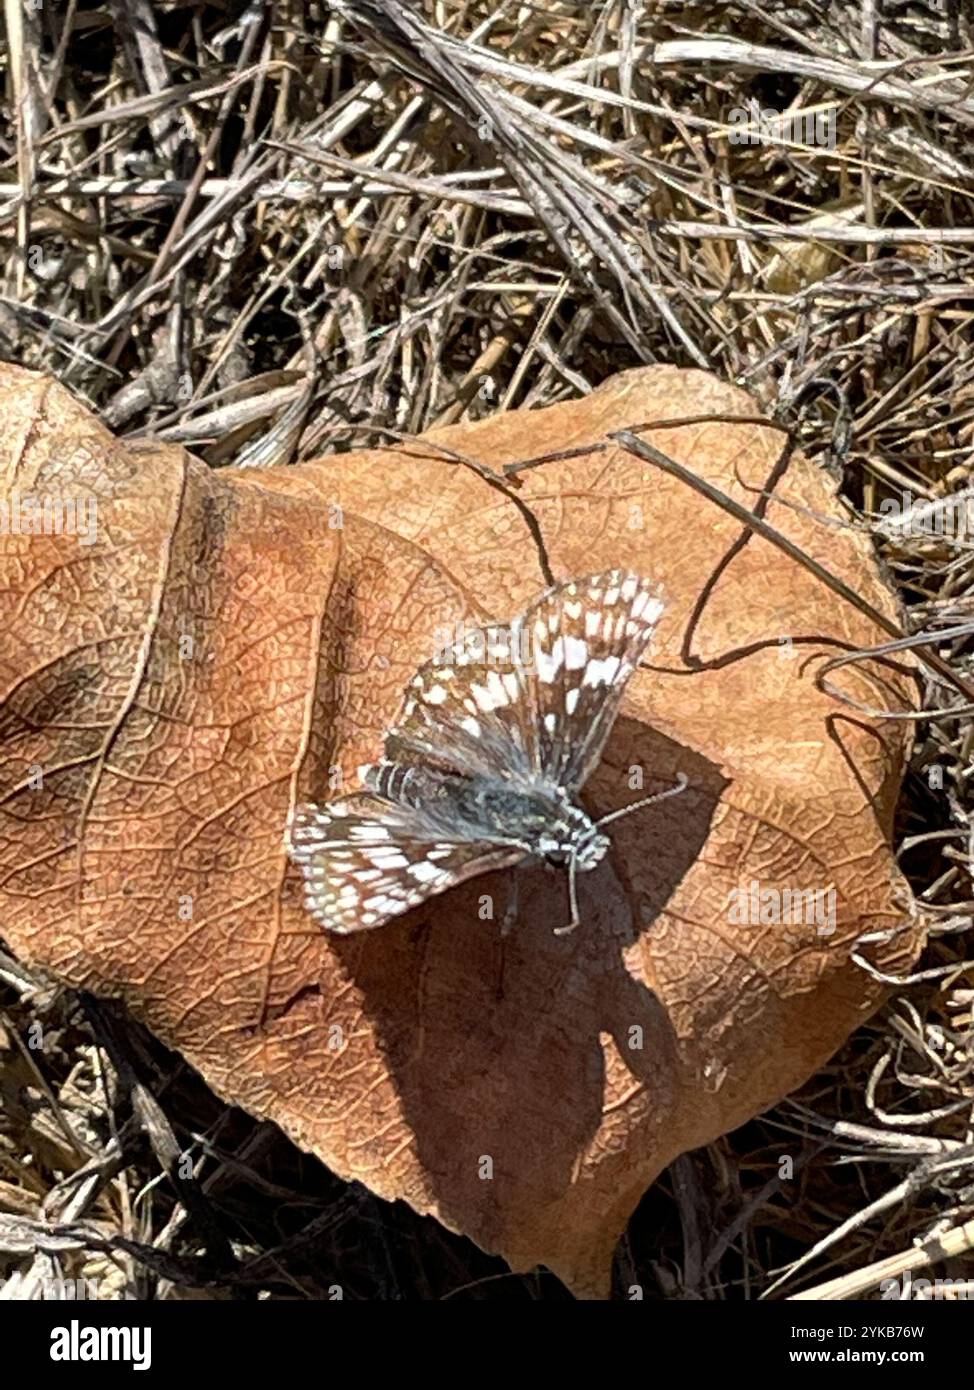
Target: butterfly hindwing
466,709
365,860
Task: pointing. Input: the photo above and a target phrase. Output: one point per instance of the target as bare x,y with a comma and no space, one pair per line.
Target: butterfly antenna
681,782
572,902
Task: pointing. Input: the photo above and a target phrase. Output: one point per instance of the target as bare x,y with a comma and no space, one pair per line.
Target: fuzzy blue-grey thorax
542,821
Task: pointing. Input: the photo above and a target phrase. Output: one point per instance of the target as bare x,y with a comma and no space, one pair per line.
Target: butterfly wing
586,638
466,711
533,701
365,860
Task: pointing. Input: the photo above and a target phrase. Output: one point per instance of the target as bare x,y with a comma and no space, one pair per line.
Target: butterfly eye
554,852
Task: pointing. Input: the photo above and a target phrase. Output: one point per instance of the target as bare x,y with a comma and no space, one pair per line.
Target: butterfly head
571,837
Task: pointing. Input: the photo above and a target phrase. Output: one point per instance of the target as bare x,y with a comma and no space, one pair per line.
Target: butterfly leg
509,920
573,903
508,923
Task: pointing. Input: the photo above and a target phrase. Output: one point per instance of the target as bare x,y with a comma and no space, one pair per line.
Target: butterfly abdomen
478,807
392,781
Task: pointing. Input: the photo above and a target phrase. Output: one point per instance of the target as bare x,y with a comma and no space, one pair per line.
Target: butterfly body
541,821
482,768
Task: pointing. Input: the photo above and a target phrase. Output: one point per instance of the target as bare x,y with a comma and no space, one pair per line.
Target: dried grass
268,231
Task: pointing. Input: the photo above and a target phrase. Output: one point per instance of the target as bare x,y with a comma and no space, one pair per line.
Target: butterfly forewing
587,638
365,860
534,701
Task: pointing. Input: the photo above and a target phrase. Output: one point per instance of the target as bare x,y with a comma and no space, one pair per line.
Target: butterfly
481,770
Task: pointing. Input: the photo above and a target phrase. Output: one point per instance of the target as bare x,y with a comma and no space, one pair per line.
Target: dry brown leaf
171,689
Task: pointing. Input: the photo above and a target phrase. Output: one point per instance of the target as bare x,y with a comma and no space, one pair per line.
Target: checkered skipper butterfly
481,769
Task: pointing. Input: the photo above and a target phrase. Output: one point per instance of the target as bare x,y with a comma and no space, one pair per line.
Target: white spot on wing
391,858
381,904
647,607
482,698
601,672
370,833
425,872
576,653
548,663
497,690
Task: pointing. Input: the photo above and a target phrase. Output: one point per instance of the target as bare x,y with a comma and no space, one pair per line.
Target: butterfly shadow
506,1052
